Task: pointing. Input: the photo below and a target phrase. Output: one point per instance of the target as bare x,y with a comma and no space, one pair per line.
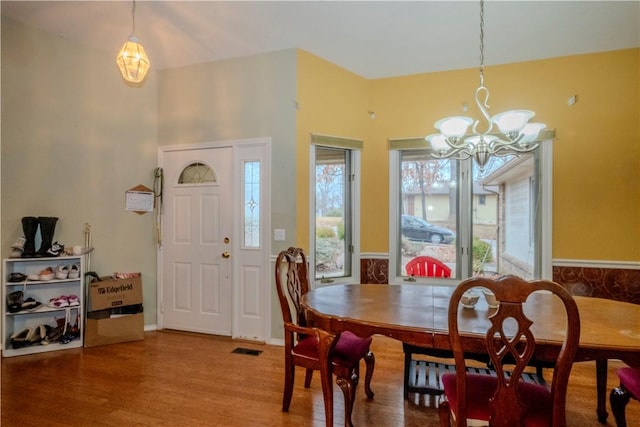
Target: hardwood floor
182,379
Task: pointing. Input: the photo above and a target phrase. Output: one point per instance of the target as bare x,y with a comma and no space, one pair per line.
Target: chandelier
516,135
132,59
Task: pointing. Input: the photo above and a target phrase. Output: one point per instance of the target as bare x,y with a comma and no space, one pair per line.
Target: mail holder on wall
140,199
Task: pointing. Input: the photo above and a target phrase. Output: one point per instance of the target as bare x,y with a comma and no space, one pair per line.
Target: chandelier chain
481,43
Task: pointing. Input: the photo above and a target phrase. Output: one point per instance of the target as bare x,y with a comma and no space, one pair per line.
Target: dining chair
420,375
304,345
504,399
620,396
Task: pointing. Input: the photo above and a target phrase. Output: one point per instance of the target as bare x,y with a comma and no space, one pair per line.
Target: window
197,173
475,222
335,190
251,198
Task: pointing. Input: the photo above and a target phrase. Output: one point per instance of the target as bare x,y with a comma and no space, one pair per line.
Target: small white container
492,302
469,299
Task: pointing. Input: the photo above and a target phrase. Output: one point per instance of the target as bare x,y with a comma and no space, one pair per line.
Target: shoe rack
43,289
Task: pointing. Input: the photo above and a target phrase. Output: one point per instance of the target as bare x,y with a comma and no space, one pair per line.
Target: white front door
196,244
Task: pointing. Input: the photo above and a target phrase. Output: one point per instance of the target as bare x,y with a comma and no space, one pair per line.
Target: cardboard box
112,293
115,312
129,327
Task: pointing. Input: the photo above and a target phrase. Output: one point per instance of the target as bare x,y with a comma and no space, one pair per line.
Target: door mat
251,352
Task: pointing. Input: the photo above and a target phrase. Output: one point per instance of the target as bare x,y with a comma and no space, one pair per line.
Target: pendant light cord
133,17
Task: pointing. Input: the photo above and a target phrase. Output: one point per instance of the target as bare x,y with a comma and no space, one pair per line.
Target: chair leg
619,398
407,363
307,378
289,376
444,413
370,362
348,386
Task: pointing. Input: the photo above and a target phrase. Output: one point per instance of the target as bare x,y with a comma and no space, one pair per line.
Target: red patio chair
416,377
426,266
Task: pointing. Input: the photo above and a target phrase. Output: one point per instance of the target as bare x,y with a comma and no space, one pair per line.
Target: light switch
278,234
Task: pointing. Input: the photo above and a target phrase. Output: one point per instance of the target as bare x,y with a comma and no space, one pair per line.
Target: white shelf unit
42,291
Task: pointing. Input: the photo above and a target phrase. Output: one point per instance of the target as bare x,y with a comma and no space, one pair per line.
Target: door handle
226,254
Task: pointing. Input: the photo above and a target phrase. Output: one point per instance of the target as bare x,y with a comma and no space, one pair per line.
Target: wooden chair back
426,266
292,283
510,340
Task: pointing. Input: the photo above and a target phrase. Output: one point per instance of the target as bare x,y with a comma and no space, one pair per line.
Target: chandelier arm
507,142
458,153
483,107
456,146
510,149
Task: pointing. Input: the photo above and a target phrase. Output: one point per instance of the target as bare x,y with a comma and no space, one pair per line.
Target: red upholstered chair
426,266
316,350
629,388
505,400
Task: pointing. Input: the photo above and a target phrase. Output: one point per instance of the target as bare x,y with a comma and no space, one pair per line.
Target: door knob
226,254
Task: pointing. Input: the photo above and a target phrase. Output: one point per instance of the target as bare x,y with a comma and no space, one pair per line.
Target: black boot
30,228
47,228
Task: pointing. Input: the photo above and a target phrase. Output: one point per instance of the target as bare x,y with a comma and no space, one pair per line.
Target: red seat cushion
349,349
630,379
307,347
480,388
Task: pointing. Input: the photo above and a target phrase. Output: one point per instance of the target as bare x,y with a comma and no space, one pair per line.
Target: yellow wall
596,199
331,101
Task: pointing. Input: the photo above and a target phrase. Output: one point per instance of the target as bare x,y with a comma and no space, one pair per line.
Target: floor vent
251,352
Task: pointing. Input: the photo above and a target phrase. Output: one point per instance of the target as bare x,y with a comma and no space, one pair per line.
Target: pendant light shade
133,61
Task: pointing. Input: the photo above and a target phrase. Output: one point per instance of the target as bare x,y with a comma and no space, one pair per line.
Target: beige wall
74,139
238,99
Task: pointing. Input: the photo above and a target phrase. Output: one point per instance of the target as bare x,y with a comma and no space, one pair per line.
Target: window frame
465,204
352,217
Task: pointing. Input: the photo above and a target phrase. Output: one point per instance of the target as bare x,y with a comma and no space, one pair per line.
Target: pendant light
132,59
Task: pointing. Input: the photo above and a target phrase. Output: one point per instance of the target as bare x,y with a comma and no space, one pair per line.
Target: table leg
601,387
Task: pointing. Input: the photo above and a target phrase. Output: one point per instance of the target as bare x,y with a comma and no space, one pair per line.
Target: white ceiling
370,38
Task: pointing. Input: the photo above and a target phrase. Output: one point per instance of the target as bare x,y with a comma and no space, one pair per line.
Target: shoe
18,248
47,274
19,244
74,271
55,250
17,277
47,334
73,300
31,305
37,334
62,272
19,339
15,301
59,302
53,335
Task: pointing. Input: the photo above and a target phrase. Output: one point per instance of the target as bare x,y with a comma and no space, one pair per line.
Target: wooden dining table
418,314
